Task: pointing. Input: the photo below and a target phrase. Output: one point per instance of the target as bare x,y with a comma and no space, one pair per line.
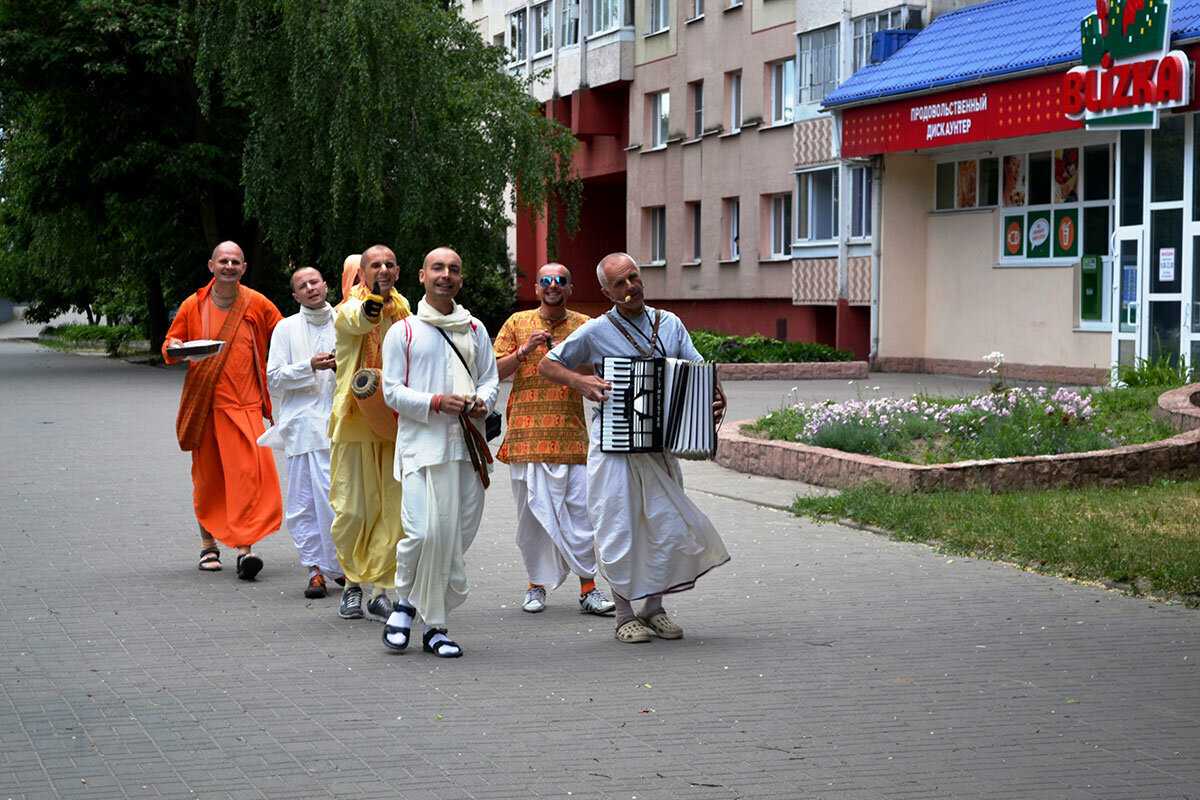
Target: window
781,225
1057,206
605,16
783,91
860,202
818,64
864,27
660,118
731,248
974,183
694,217
570,22
697,9
733,91
658,234
543,28
516,36
696,101
816,205
656,15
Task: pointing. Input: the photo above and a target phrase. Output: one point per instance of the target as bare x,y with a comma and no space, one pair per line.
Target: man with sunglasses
546,449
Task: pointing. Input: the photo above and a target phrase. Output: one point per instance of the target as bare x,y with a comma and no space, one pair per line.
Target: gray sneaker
380,607
596,602
535,599
351,607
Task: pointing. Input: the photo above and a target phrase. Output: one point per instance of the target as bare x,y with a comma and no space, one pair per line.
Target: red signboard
1001,110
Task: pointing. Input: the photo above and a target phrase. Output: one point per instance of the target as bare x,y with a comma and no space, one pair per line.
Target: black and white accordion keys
659,405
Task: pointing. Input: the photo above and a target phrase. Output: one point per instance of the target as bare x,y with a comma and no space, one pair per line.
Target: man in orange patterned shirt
546,449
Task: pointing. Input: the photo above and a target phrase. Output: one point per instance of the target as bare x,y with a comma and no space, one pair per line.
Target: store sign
1129,74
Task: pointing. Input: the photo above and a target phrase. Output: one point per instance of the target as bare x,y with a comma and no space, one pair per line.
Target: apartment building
581,54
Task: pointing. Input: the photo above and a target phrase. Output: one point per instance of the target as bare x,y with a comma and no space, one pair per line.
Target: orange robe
235,485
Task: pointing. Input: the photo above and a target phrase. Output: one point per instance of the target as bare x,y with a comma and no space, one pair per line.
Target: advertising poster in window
1066,175
968,179
1039,235
1066,233
1014,236
1014,181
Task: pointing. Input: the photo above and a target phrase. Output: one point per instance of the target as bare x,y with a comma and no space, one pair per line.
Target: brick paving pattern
821,662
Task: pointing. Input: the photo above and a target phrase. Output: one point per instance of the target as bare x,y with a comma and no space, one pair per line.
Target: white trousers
440,509
554,532
309,515
652,538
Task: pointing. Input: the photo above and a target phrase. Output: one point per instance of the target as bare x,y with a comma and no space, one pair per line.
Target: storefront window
1133,175
1166,249
1096,165
1166,160
1039,178
944,191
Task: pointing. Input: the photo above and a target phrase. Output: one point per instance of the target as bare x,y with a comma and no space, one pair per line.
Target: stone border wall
806,370
1177,457
1041,373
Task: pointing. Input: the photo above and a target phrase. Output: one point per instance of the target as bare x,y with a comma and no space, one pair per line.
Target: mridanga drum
367,387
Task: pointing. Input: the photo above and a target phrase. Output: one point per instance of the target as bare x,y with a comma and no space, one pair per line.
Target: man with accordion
652,538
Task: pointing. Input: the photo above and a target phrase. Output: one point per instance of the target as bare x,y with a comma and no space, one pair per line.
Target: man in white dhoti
546,449
300,365
439,375
652,539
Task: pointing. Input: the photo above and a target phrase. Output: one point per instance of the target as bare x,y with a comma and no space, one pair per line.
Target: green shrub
1164,372
113,336
758,349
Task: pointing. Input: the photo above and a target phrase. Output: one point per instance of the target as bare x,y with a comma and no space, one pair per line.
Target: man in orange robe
235,486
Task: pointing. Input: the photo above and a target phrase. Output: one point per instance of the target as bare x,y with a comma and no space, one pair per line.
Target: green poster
1038,235
1014,236
1066,233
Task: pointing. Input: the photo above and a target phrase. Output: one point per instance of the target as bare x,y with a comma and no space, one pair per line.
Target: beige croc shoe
662,625
632,632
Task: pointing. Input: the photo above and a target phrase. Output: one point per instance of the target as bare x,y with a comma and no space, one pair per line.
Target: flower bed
1176,456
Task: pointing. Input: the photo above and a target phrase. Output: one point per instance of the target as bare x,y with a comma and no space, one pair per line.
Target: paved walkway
820,662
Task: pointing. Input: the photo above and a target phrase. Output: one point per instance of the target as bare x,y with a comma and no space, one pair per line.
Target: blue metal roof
988,41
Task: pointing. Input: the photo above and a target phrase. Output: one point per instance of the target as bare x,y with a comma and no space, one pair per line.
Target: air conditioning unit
885,43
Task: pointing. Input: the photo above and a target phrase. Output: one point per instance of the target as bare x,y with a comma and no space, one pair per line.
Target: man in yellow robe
364,492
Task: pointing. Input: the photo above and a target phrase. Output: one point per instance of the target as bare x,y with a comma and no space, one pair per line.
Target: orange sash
201,379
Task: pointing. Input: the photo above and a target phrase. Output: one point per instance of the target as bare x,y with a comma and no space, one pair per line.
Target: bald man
363,492
652,538
235,488
439,375
300,367
546,449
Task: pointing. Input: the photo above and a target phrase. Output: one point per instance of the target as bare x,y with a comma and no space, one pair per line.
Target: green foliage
384,121
1143,536
759,349
111,175
114,337
1165,372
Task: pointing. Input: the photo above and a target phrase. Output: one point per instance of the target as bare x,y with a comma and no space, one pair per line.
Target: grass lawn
1146,537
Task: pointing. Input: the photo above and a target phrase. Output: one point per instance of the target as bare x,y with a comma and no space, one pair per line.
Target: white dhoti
554,531
441,508
309,515
652,539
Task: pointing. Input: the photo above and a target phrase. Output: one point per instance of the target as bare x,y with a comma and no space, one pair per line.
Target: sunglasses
546,280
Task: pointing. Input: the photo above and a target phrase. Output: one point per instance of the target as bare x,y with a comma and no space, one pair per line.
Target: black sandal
440,648
210,560
248,566
392,630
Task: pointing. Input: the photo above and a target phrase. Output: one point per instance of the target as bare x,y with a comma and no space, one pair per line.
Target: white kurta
443,497
554,532
306,400
652,538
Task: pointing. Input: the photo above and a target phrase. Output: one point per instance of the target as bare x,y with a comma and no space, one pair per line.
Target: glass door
1126,294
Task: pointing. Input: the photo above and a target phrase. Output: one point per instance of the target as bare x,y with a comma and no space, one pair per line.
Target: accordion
659,405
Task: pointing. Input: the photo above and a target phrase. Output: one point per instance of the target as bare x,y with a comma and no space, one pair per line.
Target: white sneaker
535,599
596,602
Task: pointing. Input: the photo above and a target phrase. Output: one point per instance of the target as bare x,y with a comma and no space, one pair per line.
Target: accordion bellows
366,386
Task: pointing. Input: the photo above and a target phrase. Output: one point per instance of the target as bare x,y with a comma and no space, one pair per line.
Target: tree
384,121
112,181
